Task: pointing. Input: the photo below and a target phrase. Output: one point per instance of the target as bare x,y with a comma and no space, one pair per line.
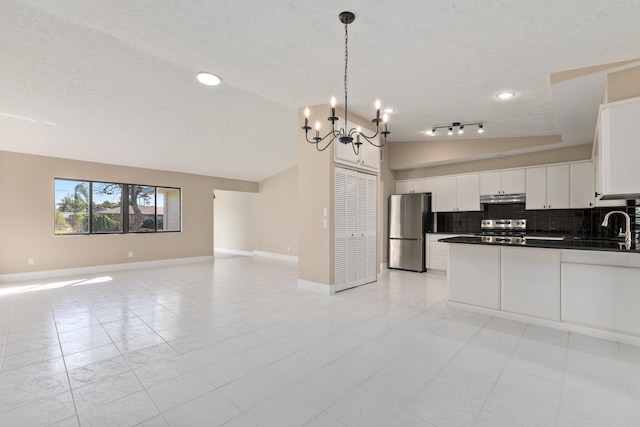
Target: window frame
124,204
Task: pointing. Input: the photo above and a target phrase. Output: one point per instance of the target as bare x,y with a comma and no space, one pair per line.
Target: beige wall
276,214
315,183
623,84
26,222
386,187
233,220
416,154
569,154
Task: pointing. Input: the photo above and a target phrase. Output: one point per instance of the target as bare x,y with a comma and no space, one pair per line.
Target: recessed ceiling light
388,110
208,79
507,94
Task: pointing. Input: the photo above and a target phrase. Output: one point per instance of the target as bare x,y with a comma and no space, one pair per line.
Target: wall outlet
324,212
130,254
288,248
324,223
31,261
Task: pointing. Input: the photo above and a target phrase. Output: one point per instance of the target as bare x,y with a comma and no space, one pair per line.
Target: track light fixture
456,125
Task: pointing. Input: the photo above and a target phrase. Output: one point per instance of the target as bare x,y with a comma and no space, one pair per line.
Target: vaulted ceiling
114,81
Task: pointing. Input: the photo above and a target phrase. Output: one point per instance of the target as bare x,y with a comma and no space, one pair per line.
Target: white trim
18,277
384,266
291,258
233,251
319,288
342,287
563,326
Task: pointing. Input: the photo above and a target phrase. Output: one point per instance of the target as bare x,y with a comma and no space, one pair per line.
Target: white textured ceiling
114,81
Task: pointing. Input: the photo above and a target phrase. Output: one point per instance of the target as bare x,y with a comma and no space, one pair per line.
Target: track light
456,125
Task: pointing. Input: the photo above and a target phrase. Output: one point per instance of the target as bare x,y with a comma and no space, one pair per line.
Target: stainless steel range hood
502,198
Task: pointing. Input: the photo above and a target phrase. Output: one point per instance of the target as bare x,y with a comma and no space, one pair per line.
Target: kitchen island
587,286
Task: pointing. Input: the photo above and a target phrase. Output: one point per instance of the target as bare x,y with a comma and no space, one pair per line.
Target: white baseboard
563,326
44,274
233,251
273,255
291,258
319,288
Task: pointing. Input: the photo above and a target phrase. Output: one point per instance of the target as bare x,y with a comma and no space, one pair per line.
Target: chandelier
343,135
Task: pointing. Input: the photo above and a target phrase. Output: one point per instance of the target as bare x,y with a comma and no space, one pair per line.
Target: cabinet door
582,185
490,183
620,148
468,192
558,187
601,296
445,194
370,155
473,275
513,181
423,186
404,187
531,282
536,185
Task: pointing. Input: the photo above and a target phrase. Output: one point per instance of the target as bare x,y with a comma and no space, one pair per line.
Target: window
88,207
106,207
71,207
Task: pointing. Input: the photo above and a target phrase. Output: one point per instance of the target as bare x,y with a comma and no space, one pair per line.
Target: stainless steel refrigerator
409,220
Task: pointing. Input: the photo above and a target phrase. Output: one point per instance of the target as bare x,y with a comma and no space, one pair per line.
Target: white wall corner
233,251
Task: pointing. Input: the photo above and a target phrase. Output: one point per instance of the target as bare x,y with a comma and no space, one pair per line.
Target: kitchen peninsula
587,286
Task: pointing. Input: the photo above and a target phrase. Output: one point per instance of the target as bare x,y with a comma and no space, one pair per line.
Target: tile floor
236,344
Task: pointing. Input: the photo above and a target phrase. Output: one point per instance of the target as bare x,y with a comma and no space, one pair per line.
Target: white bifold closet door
355,228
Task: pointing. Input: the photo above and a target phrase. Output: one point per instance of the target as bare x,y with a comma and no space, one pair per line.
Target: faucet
627,233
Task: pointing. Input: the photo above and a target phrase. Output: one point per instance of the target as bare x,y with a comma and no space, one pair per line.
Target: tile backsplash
583,223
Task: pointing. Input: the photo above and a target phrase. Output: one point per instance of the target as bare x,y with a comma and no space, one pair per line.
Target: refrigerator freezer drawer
407,254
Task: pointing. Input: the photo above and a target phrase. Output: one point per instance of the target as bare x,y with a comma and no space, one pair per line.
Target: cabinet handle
590,204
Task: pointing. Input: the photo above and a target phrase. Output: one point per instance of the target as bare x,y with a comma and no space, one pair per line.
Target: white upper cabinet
446,194
582,185
368,156
619,150
468,192
548,187
423,185
457,193
415,186
502,182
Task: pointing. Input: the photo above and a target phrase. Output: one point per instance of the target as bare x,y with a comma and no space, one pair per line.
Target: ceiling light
450,131
507,94
461,130
208,79
343,135
480,128
388,110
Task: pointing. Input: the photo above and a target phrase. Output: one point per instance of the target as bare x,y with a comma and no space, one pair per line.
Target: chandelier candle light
343,135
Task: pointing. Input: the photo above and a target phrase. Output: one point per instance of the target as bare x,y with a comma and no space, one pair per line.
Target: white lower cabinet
601,296
437,252
474,275
531,282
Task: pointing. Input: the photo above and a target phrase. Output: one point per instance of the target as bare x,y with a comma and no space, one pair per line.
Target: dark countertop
567,243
